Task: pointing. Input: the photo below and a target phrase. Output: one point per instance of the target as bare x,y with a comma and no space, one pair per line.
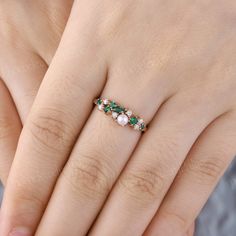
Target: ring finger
100,154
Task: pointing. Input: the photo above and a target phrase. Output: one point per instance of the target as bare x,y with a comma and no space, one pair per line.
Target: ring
120,114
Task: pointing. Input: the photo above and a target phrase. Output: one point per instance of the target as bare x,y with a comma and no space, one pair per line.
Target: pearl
122,119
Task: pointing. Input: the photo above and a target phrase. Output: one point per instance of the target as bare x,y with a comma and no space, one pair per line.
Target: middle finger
101,152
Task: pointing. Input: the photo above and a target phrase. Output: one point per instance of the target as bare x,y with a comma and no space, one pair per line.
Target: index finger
63,104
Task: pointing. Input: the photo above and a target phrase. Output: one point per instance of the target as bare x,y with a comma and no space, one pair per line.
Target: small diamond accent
136,127
114,115
140,121
100,107
106,101
129,113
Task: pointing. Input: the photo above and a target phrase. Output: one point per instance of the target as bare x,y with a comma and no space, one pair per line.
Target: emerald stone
133,121
99,101
142,126
118,109
107,109
113,105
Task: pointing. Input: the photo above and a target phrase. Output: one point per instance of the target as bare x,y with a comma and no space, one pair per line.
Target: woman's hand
29,34
171,62
23,67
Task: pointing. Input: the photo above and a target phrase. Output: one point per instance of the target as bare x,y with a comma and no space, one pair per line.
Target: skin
78,162
38,27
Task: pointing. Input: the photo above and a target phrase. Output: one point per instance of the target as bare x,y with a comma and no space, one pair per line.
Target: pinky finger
10,128
191,230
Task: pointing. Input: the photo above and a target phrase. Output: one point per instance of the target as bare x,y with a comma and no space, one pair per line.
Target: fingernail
20,232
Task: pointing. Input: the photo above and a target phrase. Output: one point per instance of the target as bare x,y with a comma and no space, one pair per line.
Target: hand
176,69
36,58
29,33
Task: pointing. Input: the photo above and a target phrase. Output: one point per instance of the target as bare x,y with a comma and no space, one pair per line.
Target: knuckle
143,185
90,175
31,200
49,130
175,220
207,171
108,25
210,169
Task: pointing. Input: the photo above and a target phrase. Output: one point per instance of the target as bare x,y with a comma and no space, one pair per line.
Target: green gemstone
107,108
113,105
133,121
99,101
118,109
142,126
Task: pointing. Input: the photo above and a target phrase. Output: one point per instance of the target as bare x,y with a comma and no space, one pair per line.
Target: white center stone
122,119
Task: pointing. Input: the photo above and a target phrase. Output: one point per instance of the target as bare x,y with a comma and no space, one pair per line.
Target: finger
153,166
26,59
10,128
205,164
23,82
29,71
92,169
61,107
191,230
